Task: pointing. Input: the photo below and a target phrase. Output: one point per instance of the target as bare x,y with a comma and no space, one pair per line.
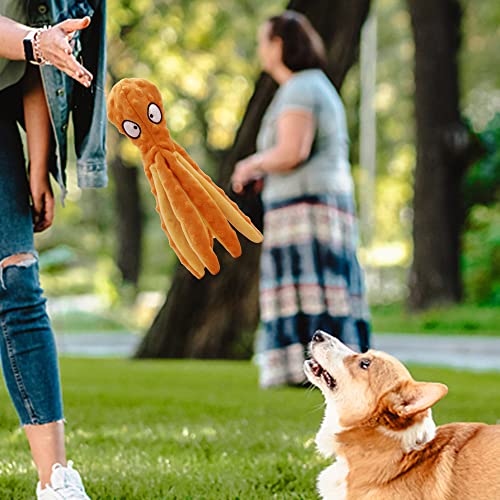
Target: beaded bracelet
37,51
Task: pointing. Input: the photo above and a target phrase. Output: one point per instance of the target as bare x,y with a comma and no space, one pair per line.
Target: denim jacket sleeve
64,94
89,105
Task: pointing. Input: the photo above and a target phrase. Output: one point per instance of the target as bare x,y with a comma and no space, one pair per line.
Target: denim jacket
65,94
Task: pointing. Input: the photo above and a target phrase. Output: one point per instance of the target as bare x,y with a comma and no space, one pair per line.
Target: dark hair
302,45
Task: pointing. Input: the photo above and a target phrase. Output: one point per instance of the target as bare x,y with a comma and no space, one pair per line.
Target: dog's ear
417,397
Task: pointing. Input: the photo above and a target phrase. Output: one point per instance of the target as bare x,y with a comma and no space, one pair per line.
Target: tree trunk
217,316
443,145
129,225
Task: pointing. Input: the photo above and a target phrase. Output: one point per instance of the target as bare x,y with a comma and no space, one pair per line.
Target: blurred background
106,264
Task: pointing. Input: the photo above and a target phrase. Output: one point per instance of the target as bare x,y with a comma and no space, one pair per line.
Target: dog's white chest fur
332,482
325,439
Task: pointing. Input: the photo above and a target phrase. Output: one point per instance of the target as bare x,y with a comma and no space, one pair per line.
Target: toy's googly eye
154,113
131,129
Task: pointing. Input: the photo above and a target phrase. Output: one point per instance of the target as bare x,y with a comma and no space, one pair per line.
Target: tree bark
129,220
217,316
443,147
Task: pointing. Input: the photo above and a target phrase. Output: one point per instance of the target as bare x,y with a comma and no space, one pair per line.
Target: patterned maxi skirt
310,279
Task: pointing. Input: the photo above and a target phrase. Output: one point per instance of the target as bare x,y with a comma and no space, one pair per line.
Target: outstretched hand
56,49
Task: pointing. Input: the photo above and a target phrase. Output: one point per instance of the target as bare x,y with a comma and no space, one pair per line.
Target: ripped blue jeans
27,346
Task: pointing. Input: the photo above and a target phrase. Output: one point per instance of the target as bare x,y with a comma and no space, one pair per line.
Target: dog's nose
318,336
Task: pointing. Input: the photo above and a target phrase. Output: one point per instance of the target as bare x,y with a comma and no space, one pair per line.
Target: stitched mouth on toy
319,372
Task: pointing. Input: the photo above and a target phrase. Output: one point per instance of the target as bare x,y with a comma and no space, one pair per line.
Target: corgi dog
378,424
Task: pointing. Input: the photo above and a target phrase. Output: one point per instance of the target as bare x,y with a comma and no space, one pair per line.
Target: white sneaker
65,484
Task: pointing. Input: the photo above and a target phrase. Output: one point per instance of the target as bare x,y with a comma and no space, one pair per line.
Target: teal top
327,169
12,71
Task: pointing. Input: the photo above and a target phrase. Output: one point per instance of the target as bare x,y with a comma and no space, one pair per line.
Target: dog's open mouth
319,372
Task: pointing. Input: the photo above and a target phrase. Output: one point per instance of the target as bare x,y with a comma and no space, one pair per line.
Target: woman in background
310,276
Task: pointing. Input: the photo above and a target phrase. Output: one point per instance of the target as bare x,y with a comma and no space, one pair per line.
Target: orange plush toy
192,208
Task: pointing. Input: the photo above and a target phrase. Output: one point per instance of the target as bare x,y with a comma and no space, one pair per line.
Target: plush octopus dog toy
192,208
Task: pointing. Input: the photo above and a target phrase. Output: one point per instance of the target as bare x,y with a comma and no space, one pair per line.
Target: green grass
199,430
85,322
463,319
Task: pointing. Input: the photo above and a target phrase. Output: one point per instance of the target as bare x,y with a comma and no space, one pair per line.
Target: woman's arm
295,138
37,123
296,130
54,45
11,39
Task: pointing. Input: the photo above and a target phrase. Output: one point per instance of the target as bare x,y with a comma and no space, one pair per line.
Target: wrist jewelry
36,46
32,49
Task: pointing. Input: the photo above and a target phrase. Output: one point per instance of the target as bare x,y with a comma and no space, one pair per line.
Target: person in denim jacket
73,80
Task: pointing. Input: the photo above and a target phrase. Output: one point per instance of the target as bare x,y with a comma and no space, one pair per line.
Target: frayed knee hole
19,259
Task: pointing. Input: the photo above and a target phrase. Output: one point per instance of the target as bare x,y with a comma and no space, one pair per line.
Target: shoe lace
72,487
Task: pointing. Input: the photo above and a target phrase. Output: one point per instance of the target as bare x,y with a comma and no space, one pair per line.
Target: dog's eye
364,364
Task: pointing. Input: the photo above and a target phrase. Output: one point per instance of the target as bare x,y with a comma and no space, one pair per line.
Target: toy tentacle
231,211
195,272
193,210
173,230
189,218
214,218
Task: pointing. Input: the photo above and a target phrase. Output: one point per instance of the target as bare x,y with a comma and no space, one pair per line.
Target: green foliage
395,128
197,429
482,182
481,256
395,136
202,56
479,55
57,258
463,319
481,259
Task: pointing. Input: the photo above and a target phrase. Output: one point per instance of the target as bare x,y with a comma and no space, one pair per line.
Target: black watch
29,52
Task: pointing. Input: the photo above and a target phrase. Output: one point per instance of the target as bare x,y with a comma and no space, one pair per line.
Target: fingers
71,25
64,60
49,209
75,70
237,186
37,210
56,48
243,174
43,212
67,63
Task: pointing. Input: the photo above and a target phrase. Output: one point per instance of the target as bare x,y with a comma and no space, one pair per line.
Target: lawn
462,319
200,430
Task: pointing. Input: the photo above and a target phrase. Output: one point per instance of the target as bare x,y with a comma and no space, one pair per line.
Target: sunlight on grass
200,429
